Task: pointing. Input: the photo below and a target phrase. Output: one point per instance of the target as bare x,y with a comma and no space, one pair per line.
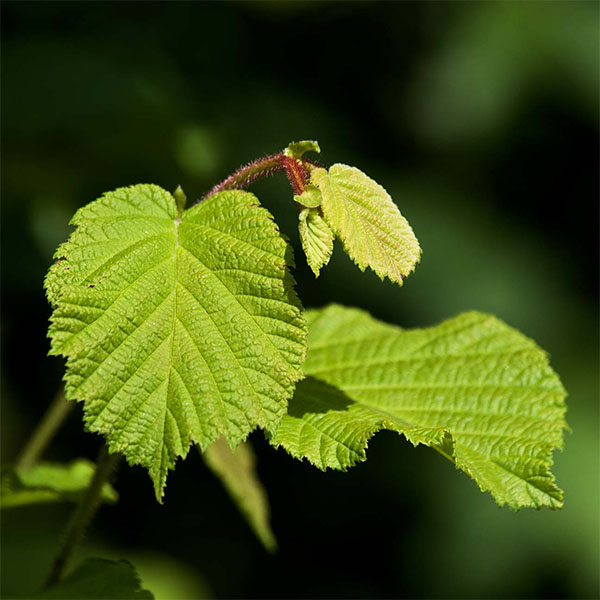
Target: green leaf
237,471
49,482
180,199
310,198
297,149
99,579
176,330
477,391
316,238
366,220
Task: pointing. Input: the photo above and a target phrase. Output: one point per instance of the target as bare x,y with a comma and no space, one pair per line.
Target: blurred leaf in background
48,482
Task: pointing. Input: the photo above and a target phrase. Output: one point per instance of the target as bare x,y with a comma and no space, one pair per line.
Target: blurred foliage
49,482
98,579
481,120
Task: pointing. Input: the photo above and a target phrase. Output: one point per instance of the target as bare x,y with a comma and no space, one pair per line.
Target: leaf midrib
176,223
376,224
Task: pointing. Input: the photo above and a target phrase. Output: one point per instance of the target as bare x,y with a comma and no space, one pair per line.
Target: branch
81,518
38,442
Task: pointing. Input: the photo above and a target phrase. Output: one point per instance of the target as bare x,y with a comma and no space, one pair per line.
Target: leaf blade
99,579
316,238
474,389
298,149
368,223
237,471
176,330
47,482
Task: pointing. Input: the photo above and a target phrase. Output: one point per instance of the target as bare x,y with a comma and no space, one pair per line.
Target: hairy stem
296,170
44,432
82,516
245,175
296,173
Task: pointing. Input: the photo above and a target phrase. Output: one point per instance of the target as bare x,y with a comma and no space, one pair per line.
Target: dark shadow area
313,395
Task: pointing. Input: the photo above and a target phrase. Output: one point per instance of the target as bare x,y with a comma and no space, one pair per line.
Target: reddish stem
296,170
296,173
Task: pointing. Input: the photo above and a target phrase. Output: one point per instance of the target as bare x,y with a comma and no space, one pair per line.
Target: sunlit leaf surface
177,328
474,389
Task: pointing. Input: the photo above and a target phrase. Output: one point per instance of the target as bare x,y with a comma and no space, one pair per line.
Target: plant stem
45,430
296,170
245,175
82,516
296,173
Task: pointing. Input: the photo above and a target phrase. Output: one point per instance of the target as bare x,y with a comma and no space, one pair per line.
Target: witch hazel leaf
316,237
368,223
477,391
177,328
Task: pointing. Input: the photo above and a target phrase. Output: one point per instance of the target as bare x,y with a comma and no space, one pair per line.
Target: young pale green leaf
237,471
368,223
180,199
298,149
99,579
310,198
177,329
316,237
479,392
49,482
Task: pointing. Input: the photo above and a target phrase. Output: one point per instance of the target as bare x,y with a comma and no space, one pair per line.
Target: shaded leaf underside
237,471
474,389
177,329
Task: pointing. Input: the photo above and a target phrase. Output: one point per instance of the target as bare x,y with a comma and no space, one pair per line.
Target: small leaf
176,330
180,199
237,471
316,238
49,482
99,579
310,197
366,220
472,388
297,149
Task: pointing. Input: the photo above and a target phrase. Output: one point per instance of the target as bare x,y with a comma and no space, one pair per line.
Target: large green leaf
237,471
369,224
48,482
177,328
99,579
479,392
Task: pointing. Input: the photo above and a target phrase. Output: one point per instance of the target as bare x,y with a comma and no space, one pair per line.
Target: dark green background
481,120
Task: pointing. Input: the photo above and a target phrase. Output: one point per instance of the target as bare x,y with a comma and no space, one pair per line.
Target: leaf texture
47,482
316,237
177,328
237,471
477,391
366,220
